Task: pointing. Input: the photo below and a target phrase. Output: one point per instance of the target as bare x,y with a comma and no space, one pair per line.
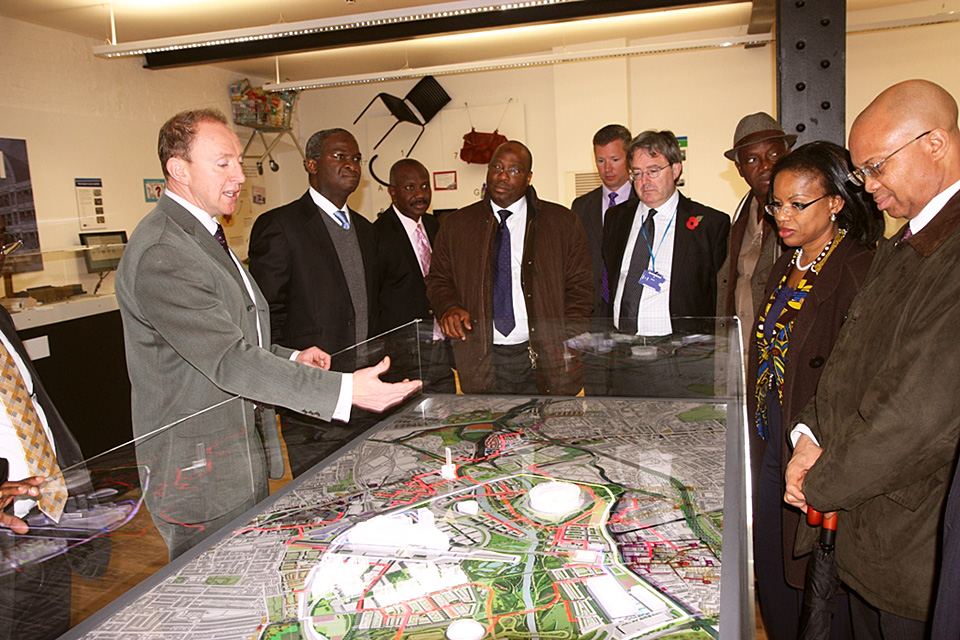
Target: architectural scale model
559,519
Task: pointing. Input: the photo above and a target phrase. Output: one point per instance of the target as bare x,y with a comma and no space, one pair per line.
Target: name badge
652,280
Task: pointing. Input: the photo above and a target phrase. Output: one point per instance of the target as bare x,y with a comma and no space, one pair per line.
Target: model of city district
476,517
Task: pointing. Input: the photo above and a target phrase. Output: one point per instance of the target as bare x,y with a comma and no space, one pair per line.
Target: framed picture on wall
153,189
445,180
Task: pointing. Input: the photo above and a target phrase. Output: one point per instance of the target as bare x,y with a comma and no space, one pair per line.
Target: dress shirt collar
409,225
518,208
209,222
664,211
328,207
933,208
623,193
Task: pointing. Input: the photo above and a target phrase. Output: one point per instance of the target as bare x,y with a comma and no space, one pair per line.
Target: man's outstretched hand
373,394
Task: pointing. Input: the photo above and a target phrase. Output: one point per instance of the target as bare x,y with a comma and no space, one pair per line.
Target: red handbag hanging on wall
478,147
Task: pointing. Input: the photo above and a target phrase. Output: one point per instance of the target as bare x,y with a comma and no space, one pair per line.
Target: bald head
909,132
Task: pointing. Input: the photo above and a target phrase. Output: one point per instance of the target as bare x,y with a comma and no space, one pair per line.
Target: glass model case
619,512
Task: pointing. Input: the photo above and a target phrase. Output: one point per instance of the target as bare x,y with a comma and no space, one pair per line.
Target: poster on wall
90,203
153,189
17,210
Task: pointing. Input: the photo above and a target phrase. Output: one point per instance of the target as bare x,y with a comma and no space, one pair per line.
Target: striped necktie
39,455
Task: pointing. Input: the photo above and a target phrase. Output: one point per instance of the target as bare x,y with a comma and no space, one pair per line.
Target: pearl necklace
823,254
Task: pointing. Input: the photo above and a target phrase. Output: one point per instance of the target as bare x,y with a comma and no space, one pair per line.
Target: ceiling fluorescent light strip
548,59
520,62
291,29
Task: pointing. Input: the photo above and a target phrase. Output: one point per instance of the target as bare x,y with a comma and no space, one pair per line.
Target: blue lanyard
643,232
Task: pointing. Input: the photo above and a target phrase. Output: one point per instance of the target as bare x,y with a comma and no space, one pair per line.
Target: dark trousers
514,373
870,623
35,600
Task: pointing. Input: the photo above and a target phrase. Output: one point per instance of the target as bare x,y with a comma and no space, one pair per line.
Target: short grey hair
315,143
657,143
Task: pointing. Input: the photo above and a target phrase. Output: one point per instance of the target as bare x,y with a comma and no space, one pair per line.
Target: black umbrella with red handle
821,582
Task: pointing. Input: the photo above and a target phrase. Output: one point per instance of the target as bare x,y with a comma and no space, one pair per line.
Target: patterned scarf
773,352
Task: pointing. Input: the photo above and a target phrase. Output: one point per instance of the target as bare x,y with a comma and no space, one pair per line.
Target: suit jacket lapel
321,240
682,239
203,238
406,248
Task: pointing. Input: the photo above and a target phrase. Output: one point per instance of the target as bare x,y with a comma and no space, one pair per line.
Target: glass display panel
620,510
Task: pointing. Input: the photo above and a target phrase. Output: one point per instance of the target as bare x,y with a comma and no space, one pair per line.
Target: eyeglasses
513,172
873,170
343,158
791,208
652,172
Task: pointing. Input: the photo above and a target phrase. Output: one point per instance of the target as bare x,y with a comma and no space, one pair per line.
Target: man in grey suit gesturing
199,355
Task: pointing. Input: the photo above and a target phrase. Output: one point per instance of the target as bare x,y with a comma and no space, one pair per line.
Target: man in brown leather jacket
510,279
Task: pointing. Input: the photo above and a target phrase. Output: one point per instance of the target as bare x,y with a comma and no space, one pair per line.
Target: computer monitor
109,247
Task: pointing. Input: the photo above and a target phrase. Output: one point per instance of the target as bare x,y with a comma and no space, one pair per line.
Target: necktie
221,238
907,232
604,278
423,250
632,289
503,318
41,460
342,219
424,253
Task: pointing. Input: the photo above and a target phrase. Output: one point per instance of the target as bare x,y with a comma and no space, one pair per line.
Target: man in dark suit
405,237
758,143
403,259
610,152
662,254
315,258
201,362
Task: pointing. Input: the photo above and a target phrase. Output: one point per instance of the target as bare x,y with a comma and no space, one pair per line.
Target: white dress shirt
653,317
517,225
345,399
10,446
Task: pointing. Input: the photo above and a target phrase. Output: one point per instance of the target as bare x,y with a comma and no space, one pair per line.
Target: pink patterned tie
39,455
423,255
423,250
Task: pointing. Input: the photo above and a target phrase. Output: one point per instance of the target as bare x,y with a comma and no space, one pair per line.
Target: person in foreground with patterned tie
405,237
877,443
610,153
199,354
662,254
35,445
510,280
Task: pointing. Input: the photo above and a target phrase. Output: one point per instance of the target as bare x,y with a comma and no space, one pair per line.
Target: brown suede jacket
557,286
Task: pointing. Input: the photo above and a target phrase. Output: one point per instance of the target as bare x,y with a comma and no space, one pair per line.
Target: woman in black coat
833,226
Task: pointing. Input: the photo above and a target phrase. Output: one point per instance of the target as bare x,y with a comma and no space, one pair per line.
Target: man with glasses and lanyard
663,254
878,443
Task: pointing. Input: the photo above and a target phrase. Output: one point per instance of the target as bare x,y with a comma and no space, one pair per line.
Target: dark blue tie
632,289
503,318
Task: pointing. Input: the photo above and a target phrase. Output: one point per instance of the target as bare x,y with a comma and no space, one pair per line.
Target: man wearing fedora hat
758,143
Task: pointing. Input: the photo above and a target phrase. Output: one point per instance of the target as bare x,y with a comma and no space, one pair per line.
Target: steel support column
811,69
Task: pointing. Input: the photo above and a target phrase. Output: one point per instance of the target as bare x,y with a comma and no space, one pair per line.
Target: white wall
87,117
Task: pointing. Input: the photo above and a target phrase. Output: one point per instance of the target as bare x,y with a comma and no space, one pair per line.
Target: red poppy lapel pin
693,222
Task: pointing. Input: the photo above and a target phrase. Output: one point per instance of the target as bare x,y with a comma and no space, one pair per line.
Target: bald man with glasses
878,442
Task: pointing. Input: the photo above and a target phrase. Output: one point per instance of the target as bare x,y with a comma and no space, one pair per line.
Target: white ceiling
149,19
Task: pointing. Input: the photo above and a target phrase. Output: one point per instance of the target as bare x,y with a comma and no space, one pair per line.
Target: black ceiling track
406,30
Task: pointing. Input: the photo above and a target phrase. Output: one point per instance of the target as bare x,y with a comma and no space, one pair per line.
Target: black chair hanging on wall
427,96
